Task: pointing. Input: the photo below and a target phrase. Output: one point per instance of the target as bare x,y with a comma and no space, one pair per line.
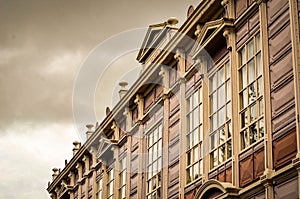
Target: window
99,189
110,184
194,137
122,174
251,92
154,164
220,116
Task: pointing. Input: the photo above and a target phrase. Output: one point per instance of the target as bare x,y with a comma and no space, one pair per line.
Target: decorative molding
228,34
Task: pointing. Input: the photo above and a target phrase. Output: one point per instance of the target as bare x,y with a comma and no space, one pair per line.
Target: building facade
213,114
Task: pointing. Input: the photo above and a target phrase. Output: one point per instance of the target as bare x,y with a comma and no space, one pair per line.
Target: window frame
195,164
122,174
248,125
217,139
110,182
153,140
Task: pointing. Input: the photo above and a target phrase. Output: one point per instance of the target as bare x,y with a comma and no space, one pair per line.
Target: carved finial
190,11
107,110
172,21
137,99
178,54
198,30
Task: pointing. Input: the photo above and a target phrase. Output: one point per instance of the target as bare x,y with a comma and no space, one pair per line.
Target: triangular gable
208,31
156,33
103,146
152,33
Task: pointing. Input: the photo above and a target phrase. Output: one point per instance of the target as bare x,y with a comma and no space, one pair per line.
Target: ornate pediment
105,152
103,146
155,35
208,32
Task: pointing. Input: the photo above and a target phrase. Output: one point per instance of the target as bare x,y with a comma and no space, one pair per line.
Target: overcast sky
43,45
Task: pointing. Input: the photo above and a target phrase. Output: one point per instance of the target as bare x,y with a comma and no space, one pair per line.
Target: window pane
258,46
214,158
191,172
229,149
244,98
250,49
188,176
214,102
229,130
190,118
222,116
201,150
196,136
214,140
228,114
196,118
222,135
196,171
244,77
196,154
214,122
244,136
159,149
261,107
259,86
191,140
155,133
195,99
261,128
244,119
259,64
150,172
228,91
222,153
251,71
221,76
221,96
227,65
189,158
253,133
243,56
213,83
252,93
159,164
253,112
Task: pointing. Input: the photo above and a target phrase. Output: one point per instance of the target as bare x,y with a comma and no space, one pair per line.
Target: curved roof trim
224,187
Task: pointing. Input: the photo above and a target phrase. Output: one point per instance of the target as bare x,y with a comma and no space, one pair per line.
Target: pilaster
164,73
72,183
93,152
294,22
182,155
140,105
229,8
267,90
268,182
127,114
229,34
79,169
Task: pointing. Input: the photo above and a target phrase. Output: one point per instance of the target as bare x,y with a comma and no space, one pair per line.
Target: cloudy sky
43,46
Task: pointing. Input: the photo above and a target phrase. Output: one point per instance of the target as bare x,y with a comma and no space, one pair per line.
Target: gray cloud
42,46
